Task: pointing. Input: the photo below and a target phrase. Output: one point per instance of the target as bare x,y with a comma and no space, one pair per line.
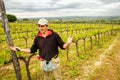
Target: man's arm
19,49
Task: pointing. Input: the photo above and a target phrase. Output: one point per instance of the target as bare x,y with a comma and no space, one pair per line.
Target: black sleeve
34,47
59,41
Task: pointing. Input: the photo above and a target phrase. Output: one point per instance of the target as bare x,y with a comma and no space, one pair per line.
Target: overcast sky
57,8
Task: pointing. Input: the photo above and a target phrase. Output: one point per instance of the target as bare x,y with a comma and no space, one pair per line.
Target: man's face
43,28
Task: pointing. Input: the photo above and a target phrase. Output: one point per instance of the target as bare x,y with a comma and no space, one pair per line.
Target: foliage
11,18
4,57
25,19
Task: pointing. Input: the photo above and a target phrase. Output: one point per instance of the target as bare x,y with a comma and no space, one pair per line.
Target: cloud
38,6
62,7
110,1
42,6
114,10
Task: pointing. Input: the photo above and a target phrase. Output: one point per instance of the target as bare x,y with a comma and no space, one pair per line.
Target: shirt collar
49,33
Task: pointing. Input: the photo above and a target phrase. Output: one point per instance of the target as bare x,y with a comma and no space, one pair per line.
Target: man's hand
12,48
68,42
70,38
19,49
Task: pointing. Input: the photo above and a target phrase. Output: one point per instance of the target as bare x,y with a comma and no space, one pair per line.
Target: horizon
74,17
71,16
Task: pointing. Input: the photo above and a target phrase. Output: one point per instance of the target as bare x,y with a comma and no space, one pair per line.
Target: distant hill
79,18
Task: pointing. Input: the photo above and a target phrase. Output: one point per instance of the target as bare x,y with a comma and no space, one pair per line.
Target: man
47,41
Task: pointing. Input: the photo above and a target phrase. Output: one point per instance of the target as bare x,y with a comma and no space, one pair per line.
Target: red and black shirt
48,46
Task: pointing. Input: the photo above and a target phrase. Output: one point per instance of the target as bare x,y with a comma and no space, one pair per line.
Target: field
92,53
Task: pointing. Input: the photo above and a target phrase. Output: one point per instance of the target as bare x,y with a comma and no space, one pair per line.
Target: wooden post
91,46
112,28
99,30
76,43
6,28
84,44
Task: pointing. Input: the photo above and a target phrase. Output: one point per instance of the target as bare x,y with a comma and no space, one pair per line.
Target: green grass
70,69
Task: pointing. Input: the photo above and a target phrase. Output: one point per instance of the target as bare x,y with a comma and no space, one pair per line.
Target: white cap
43,22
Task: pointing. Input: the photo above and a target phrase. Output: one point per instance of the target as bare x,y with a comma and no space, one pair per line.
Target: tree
11,18
103,21
25,19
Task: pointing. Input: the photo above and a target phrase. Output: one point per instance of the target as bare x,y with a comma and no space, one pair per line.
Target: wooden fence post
6,28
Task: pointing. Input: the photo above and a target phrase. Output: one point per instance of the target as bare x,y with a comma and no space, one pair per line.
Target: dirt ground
110,69
106,66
